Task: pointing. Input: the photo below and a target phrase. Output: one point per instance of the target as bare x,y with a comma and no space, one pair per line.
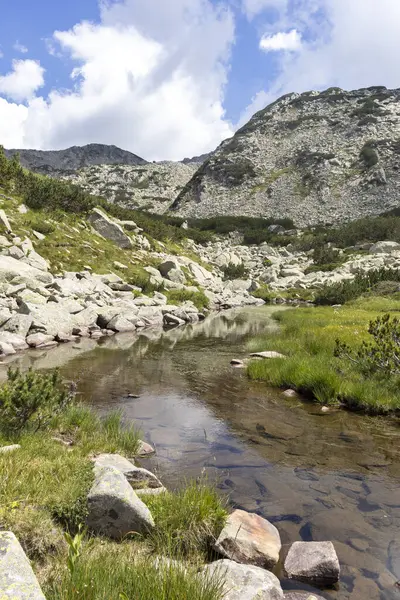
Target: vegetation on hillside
43,490
316,368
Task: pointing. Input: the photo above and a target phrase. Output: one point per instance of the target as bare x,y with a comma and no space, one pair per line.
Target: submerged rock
17,579
245,582
313,562
250,539
114,509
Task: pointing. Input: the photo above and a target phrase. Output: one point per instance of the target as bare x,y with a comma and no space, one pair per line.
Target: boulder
384,248
173,320
36,261
315,563
177,276
244,582
39,340
200,274
248,538
167,266
16,341
6,349
18,324
15,252
115,461
155,276
110,230
6,449
120,324
17,579
11,268
114,510
5,223
144,449
267,354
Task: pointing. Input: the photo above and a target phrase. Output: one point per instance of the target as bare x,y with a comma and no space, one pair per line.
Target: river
317,476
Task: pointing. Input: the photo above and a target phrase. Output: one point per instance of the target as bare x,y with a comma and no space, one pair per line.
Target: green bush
382,355
30,400
342,292
199,299
232,271
369,155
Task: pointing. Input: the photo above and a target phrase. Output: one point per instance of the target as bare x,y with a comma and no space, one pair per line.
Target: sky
168,79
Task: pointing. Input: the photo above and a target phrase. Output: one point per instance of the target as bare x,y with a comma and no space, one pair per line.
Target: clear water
317,476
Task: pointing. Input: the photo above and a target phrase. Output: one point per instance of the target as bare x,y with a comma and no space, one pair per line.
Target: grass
118,572
307,337
199,299
43,493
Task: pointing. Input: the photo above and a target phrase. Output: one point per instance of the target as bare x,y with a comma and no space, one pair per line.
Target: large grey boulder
248,538
120,324
245,582
109,229
16,341
114,509
18,324
11,268
17,580
313,562
40,340
384,247
114,461
36,261
167,266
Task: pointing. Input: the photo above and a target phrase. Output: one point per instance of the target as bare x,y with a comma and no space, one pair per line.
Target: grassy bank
307,337
43,490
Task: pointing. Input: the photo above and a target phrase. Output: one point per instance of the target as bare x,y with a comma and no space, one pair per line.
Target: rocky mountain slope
315,157
152,186
55,162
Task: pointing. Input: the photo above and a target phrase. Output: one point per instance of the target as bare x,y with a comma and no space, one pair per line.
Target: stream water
316,476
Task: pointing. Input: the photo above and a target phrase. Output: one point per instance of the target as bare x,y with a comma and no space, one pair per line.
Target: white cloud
149,78
290,41
346,44
20,48
22,82
254,7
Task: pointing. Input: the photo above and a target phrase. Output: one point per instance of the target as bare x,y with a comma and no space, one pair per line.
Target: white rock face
245,582
384,248
313,562
248,538
17,580
304,157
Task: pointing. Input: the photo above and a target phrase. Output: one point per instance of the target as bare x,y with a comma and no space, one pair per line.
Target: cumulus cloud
149,77
22,82
20,48
290,41
346,44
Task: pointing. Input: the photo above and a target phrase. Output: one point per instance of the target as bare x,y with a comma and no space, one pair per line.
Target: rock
144,449
315,563
4,243
17,579
167,266
250,539
115,461
4,221
11,268
119,265
36,261
150,491
120,324
302,596
22,209
177,276
384,247
16,252
114,510
142,478
5,449
6,349
155,276
39,235
244,582
110,230
290,394
16,341
18,324
40,340
235,362
267,354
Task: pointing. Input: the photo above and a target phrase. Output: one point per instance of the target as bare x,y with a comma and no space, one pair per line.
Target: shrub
232,271
30,400
380,355
199,299
339,293
369,155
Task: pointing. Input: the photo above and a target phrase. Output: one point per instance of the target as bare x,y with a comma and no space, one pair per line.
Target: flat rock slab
5,449
315,563
114,508
248,538
137,477
245,582
302,596
115,461
17,580
267,354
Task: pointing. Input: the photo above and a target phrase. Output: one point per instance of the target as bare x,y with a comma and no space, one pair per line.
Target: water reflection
319,476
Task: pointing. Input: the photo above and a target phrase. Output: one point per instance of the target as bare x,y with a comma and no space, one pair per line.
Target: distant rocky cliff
55,162
314,157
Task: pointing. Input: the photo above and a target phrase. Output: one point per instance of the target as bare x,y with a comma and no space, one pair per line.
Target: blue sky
172,78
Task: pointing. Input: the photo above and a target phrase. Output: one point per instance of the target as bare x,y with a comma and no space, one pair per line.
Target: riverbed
317,476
